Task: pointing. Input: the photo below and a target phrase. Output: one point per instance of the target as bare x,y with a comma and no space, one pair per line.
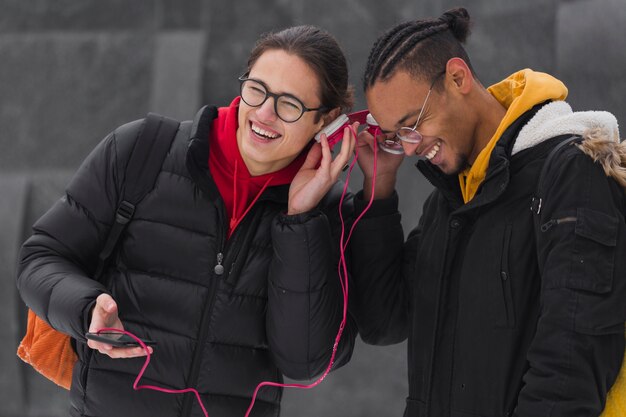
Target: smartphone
334,130
117,339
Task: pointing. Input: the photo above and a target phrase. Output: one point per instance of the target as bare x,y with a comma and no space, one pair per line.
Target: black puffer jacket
503,319
275,310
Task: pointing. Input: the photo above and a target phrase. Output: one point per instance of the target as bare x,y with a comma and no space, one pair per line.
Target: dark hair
421,47
320,50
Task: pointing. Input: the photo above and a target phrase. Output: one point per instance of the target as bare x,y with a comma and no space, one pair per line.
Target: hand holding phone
117,339
104,315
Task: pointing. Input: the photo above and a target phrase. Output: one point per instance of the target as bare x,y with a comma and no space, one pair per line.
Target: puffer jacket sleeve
305,299
578,346
380,271
57,263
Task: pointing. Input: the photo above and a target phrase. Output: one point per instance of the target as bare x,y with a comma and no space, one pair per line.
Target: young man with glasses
513,303
230,263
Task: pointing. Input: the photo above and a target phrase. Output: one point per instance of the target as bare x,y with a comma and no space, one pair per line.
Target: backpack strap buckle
124,212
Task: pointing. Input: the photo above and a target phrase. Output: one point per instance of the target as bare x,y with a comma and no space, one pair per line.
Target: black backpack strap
537,200
145,162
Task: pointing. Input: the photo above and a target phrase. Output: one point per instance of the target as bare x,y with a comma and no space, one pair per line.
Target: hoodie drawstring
234,221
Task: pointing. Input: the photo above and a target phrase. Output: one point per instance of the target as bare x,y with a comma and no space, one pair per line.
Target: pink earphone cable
343,278
138,387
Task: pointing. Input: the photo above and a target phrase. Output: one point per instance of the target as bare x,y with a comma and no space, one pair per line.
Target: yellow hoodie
518,93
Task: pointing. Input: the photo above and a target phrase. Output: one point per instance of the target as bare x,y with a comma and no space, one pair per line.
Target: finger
353,138
347,145
104,314
347,148
125,353
99,346
105,306
313,157
327,156
365,139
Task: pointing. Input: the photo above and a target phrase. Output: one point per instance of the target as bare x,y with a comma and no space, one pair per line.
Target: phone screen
117,339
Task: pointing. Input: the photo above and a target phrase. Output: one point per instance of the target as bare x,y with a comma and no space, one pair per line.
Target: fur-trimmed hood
599,130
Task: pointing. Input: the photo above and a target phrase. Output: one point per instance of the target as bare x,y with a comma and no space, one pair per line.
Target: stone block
357,25
503,43
14,191
584,45
491,7
61,93
589,58
68,15
187,15
176,84
374,383
43,397
232,34
46,187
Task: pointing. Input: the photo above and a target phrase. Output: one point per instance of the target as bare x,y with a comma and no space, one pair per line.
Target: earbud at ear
334,131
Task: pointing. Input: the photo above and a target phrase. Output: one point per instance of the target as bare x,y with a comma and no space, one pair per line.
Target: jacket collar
557,118
497,178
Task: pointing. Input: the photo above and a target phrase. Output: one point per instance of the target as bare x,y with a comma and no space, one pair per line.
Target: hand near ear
386,167
319,172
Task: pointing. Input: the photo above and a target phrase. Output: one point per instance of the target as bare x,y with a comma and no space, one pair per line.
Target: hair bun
458,20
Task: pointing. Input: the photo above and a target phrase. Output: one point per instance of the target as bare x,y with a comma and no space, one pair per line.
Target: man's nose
409,148
265,112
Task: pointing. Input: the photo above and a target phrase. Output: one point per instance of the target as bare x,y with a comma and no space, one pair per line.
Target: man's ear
330,116
459,73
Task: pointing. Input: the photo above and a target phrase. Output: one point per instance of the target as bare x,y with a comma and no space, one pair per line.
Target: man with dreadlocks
512,301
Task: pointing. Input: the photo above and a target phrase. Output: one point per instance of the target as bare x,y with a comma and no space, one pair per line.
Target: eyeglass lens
286,107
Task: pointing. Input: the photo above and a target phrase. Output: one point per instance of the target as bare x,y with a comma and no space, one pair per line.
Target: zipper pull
219,268
547,226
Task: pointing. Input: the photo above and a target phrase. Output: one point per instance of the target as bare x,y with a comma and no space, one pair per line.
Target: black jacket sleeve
381,292
578,346
58,261
305,301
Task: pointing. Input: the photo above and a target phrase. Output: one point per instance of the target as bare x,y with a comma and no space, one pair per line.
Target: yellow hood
518,93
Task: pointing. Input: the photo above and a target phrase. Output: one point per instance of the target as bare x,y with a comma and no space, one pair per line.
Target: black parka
501,321
274,311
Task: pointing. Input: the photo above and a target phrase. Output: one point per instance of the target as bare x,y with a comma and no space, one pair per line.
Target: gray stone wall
73,70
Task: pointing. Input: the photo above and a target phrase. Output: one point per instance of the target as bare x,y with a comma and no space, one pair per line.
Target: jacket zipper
549,224
223,259
431,366
218,271
505,280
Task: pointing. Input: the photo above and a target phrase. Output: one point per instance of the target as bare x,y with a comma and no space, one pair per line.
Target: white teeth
263,132
430,155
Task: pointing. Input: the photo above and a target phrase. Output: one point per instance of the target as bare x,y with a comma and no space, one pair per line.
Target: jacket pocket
599,309
583,262
507,318
594,251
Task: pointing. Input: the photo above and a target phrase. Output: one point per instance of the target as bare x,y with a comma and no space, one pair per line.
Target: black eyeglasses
287,107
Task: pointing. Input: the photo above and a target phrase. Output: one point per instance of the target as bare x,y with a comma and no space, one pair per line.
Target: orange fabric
48,351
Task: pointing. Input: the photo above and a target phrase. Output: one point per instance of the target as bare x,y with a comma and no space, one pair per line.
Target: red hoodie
238,188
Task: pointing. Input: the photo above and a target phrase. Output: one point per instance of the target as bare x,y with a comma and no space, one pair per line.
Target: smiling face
447,124
267,143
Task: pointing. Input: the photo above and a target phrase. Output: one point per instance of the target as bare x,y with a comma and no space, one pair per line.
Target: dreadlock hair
421,47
